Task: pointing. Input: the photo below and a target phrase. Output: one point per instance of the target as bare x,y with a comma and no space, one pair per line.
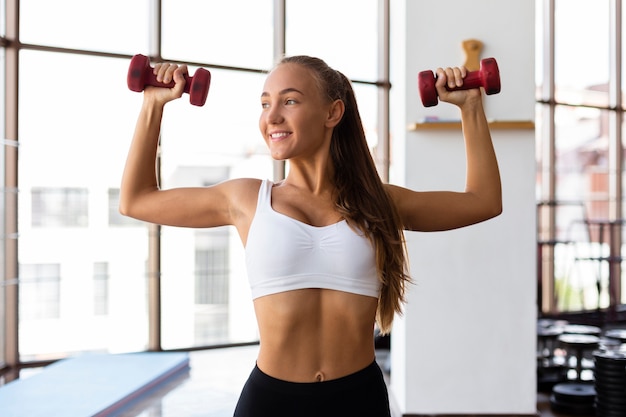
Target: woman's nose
273,115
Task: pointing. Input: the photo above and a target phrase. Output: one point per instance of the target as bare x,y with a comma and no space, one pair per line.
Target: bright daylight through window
91,279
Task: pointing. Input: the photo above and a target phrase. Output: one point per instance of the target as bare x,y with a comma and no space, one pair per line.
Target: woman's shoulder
241,190
242,184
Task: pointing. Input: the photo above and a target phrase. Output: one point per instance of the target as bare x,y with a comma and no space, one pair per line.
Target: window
40,295
59,207
86,273
101,289
68,162
234,33
580,160
212,276
211,293
339,51
86,25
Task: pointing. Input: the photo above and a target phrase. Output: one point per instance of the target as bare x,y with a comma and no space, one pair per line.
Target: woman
324,247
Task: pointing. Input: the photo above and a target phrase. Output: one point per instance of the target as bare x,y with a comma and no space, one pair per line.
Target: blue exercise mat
90,385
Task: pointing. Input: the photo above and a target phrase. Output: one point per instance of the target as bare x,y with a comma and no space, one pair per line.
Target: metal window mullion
548,93
548,134
154,27
615,100
616,159
154,230
279,50
383,147
11,327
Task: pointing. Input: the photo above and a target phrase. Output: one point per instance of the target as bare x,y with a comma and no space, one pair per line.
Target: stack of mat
91,384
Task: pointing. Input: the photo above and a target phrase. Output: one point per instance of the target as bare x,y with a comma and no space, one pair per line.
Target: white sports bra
284,254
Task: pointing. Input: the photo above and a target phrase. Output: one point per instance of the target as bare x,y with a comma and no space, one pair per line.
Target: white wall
466,342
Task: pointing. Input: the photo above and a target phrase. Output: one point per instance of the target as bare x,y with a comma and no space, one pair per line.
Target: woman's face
294,115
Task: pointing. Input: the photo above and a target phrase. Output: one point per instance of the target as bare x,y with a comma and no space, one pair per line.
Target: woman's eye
265,105
290,101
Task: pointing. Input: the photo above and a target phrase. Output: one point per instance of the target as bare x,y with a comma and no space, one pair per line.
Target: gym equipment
140,75
573,399
488,77
610,382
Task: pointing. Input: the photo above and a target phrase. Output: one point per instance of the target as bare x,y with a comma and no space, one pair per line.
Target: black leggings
362,394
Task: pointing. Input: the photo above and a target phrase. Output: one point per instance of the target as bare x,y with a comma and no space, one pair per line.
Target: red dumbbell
140,74
488,77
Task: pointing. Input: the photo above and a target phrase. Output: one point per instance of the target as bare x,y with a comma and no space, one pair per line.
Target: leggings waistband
352,381
362,394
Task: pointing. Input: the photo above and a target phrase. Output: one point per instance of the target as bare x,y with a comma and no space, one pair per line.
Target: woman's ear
335,113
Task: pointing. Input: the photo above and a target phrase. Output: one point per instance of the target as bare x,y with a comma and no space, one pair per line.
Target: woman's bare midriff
315,335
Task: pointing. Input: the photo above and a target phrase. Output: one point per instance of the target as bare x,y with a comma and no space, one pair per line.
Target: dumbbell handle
473,79
140,74
488,77
149,78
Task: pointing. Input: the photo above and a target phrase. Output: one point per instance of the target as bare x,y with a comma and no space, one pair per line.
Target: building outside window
59,207
100,289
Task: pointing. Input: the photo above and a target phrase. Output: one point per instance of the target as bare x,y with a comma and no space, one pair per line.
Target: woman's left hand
452,78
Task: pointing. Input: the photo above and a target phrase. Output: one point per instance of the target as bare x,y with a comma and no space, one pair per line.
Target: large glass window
234,33
202,147
73,139
581,156
349,47
581,30
86,273
119,26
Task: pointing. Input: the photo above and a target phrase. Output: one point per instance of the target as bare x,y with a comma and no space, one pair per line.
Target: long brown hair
361,197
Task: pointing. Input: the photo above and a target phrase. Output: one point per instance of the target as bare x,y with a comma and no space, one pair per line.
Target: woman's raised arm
482,197
140,194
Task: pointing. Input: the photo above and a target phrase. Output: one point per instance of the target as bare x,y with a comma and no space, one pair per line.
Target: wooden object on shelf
472,48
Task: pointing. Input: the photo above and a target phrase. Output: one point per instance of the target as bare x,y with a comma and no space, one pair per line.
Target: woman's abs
315,335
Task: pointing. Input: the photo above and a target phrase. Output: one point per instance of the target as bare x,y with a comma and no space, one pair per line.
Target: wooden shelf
494,124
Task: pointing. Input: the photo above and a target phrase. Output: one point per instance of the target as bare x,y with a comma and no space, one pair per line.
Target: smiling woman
316,320
337,266
290,95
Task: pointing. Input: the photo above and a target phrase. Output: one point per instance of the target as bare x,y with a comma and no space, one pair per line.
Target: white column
466,343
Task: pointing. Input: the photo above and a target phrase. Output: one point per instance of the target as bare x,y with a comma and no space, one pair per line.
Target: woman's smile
278,136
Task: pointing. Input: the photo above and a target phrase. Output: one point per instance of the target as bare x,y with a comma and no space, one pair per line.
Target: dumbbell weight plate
571,409
618,401
609,410
426,87
609,391
136,69
199,87
574,393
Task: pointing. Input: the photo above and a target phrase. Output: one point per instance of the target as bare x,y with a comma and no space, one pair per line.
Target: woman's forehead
289,76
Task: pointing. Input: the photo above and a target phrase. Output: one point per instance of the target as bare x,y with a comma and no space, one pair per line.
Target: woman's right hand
165,73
